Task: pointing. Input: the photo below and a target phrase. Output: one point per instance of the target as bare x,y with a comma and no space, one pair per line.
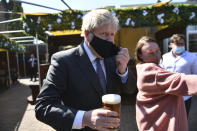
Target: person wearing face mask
71,95
159,103
180,60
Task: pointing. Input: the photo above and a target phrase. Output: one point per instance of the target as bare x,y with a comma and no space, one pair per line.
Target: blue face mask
179,49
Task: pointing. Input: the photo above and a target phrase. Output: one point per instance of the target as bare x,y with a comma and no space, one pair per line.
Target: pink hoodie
160,105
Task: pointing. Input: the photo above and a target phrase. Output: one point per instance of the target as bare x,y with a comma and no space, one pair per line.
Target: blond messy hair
97,18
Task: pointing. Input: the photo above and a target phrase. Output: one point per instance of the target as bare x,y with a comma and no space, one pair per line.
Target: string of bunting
6,43
171,15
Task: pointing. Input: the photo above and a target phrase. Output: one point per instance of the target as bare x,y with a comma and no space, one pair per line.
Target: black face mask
103,47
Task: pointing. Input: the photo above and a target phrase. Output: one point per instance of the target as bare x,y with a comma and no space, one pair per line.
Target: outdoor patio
17,115
15,112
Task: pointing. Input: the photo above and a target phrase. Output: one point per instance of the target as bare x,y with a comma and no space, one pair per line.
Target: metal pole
47,53
18,71
24,65
8,21
8,63
38,59
66,5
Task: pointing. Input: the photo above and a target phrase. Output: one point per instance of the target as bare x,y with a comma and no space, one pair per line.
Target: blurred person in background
33,67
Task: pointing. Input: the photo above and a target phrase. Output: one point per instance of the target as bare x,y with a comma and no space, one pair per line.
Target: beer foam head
111,99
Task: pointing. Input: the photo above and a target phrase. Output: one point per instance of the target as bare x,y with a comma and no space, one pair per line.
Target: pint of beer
112,102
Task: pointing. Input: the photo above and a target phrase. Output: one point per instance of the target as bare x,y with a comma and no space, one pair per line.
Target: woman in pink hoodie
159,104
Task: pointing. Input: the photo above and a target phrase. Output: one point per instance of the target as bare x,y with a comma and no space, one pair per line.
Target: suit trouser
33,73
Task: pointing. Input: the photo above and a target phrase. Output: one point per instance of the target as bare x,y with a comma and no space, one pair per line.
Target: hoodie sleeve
153,80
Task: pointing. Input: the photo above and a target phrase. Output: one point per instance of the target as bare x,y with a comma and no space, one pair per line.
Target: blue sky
82,4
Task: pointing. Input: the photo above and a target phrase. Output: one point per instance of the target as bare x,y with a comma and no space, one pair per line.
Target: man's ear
88,36
170,45
86,33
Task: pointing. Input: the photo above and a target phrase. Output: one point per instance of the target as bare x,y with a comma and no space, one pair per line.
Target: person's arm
100,119
153,80
127,77
77,124
123,77
49,108
96,119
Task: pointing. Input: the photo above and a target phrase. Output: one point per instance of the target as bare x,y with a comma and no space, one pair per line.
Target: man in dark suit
70,98
33,67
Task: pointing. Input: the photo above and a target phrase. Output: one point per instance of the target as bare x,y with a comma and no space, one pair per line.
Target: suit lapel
88,70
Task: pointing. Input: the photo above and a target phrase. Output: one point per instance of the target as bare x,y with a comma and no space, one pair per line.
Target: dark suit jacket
33,69
30,63
71,85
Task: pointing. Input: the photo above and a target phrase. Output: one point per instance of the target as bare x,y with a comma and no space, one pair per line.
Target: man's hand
101,119
122,59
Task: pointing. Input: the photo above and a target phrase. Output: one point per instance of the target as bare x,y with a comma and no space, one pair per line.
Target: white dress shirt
185,63
77,124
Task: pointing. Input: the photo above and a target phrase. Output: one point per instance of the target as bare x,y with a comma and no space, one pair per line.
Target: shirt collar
91,56
183,54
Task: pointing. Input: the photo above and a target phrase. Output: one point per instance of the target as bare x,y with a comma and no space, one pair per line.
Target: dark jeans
33,73
187,105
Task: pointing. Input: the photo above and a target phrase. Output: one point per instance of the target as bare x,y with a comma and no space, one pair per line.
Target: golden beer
112,102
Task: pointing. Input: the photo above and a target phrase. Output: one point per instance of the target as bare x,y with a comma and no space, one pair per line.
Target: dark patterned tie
101,75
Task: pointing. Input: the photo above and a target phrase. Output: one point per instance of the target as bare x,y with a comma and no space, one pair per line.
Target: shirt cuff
77,124
124,76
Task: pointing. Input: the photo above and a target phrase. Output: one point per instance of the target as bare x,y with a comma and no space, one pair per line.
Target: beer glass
112,102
